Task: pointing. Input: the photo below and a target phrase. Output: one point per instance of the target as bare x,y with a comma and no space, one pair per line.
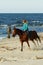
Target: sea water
35,22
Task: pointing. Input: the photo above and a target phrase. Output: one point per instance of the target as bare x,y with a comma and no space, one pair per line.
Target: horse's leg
34,42
39,38
37,41
28,44
21,46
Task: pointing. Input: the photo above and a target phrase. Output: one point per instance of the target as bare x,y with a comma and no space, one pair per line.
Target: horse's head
14,32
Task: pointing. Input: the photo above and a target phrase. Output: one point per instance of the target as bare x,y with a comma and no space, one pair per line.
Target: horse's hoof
21,50
8,37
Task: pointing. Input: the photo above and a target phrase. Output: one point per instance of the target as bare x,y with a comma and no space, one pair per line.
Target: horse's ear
14,27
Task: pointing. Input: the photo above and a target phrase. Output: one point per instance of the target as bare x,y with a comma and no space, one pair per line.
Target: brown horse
24,37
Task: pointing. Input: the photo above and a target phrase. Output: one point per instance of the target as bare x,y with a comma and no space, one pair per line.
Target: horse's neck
19,32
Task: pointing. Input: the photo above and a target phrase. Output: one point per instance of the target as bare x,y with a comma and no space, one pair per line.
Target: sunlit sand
10,53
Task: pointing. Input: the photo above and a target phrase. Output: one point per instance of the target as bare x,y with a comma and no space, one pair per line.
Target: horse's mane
19,30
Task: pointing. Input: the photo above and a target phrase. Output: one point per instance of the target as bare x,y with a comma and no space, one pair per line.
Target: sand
10,53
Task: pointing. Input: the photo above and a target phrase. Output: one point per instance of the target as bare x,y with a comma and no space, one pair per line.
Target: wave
2,38
36,21
3,25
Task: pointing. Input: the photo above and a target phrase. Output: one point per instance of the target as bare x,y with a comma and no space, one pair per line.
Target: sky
21,6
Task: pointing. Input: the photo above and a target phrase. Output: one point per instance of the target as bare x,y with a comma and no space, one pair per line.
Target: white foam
2,38
35,21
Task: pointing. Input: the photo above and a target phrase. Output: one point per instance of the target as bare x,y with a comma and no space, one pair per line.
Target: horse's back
32,35
32,32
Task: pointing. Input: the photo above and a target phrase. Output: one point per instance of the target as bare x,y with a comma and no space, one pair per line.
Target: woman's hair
24,21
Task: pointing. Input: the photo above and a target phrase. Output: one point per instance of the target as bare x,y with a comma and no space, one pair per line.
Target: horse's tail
39,38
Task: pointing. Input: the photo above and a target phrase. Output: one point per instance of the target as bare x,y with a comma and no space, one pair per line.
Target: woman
25,26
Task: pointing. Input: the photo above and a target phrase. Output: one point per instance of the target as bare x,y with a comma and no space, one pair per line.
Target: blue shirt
25,27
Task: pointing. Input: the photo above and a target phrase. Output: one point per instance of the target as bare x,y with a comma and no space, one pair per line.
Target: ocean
35,21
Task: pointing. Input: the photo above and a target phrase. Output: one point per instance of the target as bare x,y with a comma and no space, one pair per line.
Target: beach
10,53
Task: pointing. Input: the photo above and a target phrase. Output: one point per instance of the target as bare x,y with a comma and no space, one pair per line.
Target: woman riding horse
24,37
